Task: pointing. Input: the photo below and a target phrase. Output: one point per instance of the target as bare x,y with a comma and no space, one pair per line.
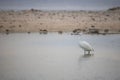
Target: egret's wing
86,46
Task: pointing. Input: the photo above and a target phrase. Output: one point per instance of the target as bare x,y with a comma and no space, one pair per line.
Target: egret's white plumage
86,46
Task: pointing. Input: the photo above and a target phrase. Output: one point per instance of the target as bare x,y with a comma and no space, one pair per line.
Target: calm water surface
58,57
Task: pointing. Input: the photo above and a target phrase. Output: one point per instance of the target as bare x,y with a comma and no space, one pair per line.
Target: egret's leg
88,52
84,52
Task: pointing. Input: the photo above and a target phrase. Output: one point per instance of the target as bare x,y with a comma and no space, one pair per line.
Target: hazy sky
59,4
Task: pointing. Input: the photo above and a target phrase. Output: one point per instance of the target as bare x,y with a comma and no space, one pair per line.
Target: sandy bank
37,20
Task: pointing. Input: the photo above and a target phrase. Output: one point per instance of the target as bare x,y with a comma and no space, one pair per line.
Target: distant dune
36,20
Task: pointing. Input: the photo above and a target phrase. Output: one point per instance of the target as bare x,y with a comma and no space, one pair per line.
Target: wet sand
58,57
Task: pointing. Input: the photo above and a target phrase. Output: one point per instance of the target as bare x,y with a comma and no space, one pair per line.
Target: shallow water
58,57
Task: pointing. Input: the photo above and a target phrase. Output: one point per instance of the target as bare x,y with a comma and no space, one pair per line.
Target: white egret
86,46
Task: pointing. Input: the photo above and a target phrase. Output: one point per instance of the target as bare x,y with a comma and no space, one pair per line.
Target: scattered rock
33,10
107,15
119,18
60,32
1,26
93,26
106,30
114,8
93,31
76,31
84,30
118,30
103,33
20,25
93,19
43,31
7,31
29,32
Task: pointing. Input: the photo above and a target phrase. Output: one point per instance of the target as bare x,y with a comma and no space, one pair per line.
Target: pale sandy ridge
66,21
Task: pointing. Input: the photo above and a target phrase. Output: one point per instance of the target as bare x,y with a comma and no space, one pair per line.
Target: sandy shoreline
60,21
